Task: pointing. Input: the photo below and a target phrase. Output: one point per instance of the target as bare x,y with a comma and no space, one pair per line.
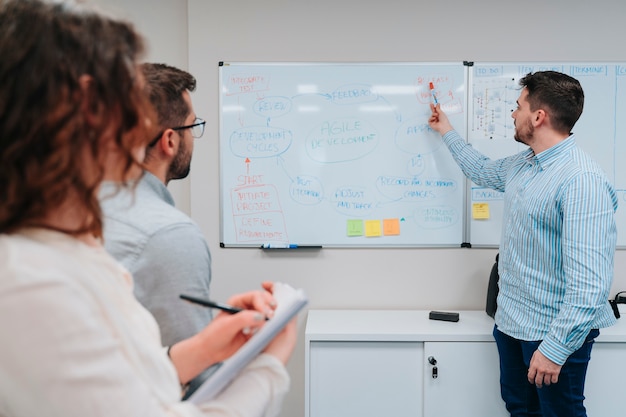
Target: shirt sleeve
74,351
258,391
65,358
476,166
175,260
588,241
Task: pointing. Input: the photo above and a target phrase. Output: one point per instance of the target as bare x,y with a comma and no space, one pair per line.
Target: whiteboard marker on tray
288,246
279,245
432,92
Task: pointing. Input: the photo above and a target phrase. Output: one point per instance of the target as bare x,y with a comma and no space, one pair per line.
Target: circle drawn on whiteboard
353,200
260,141
341,140
306,190
271,107
436,217
351,94
416,165
417,138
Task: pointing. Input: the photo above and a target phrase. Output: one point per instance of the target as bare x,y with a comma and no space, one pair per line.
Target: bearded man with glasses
161,246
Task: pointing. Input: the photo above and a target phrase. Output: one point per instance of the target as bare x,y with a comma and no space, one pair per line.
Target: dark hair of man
165,86
559,94
45,50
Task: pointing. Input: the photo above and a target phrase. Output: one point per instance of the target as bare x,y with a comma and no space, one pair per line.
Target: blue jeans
563,399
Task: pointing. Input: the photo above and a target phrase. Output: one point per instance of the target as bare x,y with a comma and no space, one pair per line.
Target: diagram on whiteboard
493,93
338,155
493,100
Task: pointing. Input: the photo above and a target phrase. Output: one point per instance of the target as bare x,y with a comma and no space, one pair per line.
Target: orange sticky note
391,227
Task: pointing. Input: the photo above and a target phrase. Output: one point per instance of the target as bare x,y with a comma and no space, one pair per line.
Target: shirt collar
158,187
553,154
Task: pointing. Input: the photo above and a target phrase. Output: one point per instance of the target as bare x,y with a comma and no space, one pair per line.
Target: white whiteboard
342,155
494,89
339,155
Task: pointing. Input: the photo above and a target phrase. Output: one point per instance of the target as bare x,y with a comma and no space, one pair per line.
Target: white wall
360,31
164,25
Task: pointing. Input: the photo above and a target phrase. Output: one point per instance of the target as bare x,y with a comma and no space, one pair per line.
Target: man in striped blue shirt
556,251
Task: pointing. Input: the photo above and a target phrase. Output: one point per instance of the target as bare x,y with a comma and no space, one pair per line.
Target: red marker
432,92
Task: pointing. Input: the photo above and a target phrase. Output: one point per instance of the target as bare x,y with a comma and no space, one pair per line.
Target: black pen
211,304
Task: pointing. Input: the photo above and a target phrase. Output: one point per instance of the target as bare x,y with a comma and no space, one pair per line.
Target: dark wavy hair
165,86
559,93
45,49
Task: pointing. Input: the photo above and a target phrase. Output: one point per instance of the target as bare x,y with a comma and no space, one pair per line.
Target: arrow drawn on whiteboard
388,201
280,161
247,166
325,96
239,118
395,112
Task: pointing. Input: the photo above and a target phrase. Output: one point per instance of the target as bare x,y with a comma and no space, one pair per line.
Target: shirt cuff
554,350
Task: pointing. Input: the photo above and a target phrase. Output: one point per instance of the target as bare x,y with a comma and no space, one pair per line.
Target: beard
181,165
525,133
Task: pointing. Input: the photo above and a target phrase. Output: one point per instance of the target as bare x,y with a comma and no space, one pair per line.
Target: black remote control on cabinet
444,316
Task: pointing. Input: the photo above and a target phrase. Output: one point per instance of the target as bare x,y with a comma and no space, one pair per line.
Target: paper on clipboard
289,302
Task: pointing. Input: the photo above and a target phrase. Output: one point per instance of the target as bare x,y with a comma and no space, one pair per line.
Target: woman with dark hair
75,340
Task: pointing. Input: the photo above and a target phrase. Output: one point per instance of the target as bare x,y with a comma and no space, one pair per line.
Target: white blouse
75,341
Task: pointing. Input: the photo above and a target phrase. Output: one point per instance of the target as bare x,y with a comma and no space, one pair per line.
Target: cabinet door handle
433,362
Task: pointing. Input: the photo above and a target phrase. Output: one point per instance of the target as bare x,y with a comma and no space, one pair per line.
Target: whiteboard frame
469,231
367,243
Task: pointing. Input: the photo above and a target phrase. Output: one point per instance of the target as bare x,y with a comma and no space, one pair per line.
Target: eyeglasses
197,130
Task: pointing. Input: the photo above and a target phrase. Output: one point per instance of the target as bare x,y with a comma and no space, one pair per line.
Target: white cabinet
366,379
467,382
605,387
382,363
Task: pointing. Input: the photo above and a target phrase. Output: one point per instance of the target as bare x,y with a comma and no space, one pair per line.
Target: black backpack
492,290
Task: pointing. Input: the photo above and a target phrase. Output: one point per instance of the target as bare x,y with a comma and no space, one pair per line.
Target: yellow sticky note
391,227
354,228
372,228
480,211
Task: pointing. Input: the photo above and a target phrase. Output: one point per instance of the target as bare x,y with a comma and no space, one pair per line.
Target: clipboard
290,301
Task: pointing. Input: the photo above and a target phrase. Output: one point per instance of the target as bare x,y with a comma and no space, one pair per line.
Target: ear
168,143
539,118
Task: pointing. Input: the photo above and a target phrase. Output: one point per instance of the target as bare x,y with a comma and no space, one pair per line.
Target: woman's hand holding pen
438,120
283,344
224,335
262,301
